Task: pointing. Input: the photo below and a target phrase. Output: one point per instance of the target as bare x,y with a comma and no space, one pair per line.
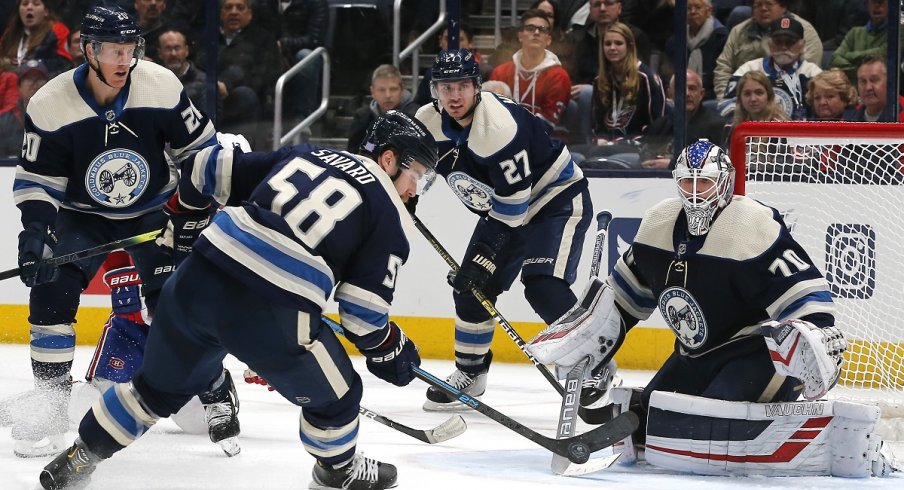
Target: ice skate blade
230,446
453,406
48,446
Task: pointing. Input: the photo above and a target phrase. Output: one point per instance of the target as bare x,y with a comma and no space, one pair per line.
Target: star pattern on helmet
697,153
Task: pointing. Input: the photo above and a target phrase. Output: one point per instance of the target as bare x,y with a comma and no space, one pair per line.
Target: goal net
840,188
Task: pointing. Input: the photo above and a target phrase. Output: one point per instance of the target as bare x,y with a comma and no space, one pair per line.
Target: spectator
496,87
75,47
572,14
9,98
702,123
705,39
832,19
748,41
584,63
465,37
830,94
559,45
32,76
248,65
785,67
862,41
534,74
149,14
36,34
627,95
756,102
387,94
302,29
174,54
656,18
871,84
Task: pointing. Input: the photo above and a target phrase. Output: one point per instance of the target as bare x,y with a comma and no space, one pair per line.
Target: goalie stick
450,428
577,448
90,252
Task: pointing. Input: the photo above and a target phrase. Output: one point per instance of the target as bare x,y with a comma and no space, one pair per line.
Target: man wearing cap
32,75
749,40
785,66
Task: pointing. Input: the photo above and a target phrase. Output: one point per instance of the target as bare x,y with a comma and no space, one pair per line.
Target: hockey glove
183,228
36,243
391,360
125,292
236,142
480,263
809,353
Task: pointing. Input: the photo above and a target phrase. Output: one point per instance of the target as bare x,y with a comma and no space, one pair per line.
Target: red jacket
543,90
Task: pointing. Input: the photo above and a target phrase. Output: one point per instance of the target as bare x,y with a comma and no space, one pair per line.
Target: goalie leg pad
593,327
120,350
622,399
714,437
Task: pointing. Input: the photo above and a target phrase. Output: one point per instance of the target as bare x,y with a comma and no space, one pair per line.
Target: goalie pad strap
715,437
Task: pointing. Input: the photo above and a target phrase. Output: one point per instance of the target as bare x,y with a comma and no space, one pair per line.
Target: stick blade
451,428
611,432
561,466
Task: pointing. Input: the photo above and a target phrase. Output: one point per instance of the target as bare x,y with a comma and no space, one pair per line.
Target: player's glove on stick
36,243
480,264
809,353
183,228
390,360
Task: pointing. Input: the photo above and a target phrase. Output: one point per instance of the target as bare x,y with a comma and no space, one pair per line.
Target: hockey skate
38,429
361,473
469,384
594,388
221,407
70,469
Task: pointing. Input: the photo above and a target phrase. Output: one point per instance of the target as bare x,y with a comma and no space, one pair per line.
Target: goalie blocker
714,437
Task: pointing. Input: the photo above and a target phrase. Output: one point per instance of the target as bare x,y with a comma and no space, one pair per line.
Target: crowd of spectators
592,69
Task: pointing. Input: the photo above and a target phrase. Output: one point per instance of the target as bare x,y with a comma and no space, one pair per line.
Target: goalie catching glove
183,228
391,360
593,327
809,353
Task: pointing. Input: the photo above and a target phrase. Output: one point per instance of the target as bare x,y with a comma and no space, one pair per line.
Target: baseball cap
786,26
32,66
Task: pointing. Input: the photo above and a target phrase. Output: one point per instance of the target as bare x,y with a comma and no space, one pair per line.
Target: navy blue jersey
504,164
114,161
721,286
310,219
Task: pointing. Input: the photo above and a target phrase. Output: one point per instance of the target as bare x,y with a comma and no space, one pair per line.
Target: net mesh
842,198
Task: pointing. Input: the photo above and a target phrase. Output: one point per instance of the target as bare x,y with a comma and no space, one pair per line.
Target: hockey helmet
455,64
411,141
705,178
111,24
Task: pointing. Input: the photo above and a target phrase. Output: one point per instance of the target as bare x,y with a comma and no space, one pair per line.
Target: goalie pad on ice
593,327
714,437
809,353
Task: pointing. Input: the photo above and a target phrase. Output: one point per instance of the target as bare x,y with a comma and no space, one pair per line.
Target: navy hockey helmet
705,178
411,141
110,23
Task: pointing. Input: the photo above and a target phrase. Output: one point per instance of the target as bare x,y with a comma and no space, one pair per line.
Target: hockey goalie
754,333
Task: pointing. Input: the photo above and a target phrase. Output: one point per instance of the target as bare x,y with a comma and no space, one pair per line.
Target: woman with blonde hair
34,33
830,94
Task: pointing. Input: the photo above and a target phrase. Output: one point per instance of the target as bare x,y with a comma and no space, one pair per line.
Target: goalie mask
411,142
705,178
454,65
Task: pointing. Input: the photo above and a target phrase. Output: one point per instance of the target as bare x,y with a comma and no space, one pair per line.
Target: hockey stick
488,305
452,427
577,448
90,252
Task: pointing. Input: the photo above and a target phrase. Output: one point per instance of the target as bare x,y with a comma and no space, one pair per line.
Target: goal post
840,189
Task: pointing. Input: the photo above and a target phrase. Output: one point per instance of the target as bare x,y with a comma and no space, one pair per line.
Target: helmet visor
118,53
420,175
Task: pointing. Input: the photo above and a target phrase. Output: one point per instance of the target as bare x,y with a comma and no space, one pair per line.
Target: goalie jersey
504,164
718,288
300,221
108,160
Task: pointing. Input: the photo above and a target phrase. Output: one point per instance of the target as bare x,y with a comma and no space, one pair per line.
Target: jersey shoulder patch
433,120
657,224
494,126
58,104
153,86
747,218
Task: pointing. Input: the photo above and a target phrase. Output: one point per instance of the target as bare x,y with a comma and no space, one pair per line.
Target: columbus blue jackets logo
474,193
117,178
683,315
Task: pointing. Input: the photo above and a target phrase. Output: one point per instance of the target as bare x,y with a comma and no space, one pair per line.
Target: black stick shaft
90,252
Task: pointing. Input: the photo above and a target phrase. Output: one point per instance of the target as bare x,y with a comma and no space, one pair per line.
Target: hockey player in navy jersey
299,225
533,204
754,324
95,168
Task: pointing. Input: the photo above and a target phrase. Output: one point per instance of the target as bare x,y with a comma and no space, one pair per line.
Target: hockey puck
578,452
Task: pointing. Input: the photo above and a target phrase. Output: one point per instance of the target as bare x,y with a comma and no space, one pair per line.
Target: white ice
487,456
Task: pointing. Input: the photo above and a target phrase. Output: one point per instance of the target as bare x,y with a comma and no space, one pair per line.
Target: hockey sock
549,296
